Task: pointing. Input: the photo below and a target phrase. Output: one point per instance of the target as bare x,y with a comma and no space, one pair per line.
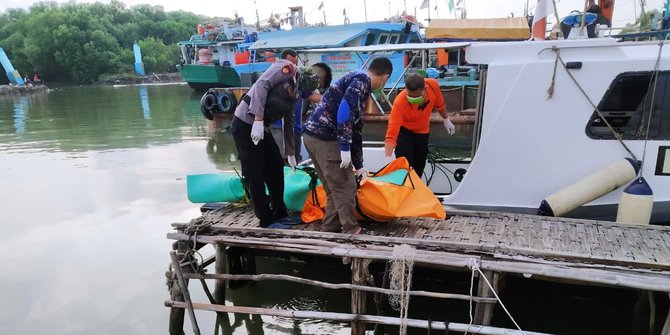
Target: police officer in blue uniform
262,162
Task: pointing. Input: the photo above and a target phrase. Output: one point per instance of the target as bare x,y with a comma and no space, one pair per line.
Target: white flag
425,4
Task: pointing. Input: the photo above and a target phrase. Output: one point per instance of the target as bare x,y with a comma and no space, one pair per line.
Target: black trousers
414,147
262,165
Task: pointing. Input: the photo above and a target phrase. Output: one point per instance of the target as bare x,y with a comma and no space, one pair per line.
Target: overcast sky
625,10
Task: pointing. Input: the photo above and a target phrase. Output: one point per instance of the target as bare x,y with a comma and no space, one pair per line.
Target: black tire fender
226,102
207,104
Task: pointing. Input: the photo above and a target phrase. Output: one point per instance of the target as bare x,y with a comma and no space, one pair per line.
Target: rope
434,158
474,265
197,226
550,90
616,135
651,107
400,277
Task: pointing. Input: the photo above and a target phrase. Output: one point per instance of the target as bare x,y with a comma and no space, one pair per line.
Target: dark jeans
414,147
262,165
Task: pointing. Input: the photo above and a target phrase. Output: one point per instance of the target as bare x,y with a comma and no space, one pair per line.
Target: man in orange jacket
409,123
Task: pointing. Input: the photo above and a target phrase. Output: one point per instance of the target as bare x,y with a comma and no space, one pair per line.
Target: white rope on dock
400,277
474,265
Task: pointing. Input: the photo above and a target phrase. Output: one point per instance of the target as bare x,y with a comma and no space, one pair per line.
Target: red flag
542,10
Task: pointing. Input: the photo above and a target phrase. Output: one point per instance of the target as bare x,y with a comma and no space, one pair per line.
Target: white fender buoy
589,188
637,201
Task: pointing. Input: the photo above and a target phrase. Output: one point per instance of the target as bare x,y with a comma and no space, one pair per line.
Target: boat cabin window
394,39
626,106
370,39
383,38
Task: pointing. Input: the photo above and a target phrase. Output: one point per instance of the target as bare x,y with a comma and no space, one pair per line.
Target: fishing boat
220,57
562,127
223,99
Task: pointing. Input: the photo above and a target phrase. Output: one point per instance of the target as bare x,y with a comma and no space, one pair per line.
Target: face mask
379,89
415,100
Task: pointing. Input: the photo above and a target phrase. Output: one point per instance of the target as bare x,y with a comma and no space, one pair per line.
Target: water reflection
21,105
144,101
221,150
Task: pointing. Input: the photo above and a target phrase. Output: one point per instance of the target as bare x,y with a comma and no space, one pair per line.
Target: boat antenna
258,19
365,9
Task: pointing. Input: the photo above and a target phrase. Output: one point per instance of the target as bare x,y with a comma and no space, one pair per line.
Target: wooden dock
486,244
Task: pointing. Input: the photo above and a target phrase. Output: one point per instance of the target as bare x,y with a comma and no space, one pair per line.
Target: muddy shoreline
12,89
152,78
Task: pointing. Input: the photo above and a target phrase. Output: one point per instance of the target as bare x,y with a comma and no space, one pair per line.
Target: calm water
91,179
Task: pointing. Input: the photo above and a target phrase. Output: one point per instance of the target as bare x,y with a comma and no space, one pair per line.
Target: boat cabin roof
393,47
328,36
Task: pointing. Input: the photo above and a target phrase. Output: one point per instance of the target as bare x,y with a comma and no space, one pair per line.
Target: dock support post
220,268
176,320
240,261
484,311
222,320
359,274
666,327
184,290
381,300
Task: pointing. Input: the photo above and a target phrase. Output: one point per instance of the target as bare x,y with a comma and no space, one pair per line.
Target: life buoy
207,104
226,102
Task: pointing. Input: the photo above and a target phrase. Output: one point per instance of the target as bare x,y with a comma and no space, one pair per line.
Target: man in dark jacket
333,138
262,163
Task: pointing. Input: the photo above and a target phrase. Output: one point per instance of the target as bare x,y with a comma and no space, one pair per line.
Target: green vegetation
643,22
82,43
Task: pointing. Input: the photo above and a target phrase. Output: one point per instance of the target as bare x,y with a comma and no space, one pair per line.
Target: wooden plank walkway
595,252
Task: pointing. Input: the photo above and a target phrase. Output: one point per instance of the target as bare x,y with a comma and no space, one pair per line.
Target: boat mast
258,19
558,19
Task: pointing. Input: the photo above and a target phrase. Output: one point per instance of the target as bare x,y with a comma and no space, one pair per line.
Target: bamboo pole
484,313
666,327
294,235
345,317
222,319
321,284
184,290
380,299
617,276
358,297
220,269
176,318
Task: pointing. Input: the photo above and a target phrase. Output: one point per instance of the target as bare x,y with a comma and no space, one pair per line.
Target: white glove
257,131
291,162
451,129
362,172
346,159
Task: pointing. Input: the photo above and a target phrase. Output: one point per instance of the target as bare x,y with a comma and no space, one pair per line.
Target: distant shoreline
152,78
22,89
